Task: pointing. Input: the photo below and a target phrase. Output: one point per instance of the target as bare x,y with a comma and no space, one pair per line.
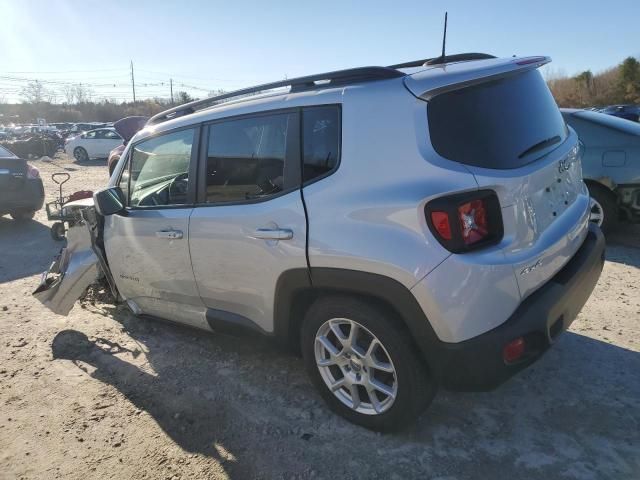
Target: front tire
604,211
364,364
80,154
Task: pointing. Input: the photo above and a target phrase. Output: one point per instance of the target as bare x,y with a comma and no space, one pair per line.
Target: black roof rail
459,57
340,77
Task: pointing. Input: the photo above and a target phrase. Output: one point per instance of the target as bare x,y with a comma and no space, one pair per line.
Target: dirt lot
101,394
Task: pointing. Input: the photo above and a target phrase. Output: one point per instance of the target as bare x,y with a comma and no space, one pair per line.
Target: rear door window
248,159
500,124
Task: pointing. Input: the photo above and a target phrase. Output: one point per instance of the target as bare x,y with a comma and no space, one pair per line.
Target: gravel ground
103,394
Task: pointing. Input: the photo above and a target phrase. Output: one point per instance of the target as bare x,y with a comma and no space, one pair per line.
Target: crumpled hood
127,127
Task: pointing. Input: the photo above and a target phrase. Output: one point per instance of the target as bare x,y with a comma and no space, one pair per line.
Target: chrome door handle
169,234
273,234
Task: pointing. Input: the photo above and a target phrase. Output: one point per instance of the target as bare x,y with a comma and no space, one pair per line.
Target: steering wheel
178,187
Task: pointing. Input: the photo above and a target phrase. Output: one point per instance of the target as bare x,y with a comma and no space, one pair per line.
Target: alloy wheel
355,366
596,213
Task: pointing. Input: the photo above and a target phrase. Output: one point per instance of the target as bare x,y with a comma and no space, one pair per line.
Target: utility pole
133,83
171,87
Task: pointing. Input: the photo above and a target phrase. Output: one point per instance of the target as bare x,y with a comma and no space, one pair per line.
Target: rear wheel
364,364
604,211
23,215
80,154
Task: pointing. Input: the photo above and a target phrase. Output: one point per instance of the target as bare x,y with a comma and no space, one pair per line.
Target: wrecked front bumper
74,269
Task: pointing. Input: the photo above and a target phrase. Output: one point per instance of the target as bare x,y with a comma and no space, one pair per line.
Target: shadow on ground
27,248
574,414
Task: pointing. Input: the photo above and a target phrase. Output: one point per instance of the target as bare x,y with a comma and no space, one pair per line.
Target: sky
209,45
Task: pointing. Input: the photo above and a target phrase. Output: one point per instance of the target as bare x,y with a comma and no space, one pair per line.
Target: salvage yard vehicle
21,189
93,144
628,112
610,165
403,229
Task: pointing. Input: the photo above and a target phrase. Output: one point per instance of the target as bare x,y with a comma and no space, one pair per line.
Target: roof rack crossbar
351,75
459,57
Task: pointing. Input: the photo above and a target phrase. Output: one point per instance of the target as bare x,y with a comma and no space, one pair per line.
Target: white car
93,144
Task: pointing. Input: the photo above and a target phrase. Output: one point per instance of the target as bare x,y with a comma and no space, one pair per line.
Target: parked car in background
21,189
628,112
388,224
126,127
610,165
93,144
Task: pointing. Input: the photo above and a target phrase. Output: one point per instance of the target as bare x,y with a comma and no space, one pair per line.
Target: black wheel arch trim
295,284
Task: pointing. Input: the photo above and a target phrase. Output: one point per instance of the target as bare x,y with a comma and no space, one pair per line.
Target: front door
148,246
249,225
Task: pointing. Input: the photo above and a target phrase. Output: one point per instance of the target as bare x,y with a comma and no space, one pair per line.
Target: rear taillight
466,221
32,172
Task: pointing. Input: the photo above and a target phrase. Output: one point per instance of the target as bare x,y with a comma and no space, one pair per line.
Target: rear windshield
502,124
5,153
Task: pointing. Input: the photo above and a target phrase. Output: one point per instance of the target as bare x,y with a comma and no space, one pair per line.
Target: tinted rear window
496,124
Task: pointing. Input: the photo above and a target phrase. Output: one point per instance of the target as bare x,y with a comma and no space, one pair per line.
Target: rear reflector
513,350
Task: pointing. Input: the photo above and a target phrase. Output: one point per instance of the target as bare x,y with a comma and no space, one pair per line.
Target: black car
21,189
630,112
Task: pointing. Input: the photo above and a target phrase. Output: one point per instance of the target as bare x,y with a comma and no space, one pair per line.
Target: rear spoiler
434,81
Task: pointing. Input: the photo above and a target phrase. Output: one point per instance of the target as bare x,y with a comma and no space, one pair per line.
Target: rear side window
501,124
246,158
321,140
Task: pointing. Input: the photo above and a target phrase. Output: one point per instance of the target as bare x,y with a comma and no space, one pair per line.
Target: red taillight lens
513,350
32,172
441,224
466,221
473,221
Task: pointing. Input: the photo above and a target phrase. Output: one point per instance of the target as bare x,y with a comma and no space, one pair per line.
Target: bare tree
82,93
34,92
69,93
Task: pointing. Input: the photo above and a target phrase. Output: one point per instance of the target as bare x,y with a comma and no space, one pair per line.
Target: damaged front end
81,263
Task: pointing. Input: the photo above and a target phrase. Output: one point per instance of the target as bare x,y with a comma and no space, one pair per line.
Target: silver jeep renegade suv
404,227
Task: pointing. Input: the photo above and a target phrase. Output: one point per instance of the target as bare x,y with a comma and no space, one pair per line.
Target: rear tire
385,389
604,211
80,154
23,215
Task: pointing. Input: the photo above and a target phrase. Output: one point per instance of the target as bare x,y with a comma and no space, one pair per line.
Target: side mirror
109,201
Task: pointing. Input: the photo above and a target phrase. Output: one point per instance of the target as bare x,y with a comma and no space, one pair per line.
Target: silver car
610,164
404,227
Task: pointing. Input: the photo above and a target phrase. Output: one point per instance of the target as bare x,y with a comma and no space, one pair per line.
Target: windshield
505,123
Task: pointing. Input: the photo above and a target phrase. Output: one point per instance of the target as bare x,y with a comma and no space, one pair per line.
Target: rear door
90,142
511,136
249,225
148,246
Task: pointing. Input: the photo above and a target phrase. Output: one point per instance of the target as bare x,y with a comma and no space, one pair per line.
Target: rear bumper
477,364
29,197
